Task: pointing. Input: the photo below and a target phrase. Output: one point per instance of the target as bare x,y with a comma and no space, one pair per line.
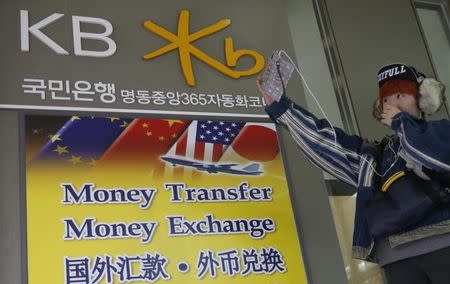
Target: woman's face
403,102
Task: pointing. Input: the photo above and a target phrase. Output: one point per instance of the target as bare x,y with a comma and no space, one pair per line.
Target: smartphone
275,77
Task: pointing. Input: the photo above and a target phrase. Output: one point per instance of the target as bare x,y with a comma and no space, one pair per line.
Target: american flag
204,141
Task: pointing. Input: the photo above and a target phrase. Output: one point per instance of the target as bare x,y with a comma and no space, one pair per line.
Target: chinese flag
143,142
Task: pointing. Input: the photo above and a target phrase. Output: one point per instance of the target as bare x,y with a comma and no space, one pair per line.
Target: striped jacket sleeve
426,142
329,148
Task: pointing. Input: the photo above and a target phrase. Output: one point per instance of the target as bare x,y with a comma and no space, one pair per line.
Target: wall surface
11,213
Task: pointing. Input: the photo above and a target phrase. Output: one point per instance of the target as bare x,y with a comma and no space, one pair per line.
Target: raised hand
266,97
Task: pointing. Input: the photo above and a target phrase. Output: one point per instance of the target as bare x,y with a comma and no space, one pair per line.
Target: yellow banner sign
134,200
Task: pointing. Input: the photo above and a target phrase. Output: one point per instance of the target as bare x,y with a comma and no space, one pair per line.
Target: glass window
434,19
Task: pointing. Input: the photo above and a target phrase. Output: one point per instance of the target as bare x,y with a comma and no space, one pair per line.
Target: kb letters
78,35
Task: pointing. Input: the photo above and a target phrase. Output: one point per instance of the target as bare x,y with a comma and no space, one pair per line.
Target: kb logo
182,41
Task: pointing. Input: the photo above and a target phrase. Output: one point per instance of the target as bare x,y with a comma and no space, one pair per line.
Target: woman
402,218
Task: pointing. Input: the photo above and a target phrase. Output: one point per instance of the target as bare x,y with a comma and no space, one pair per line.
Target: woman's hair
377,109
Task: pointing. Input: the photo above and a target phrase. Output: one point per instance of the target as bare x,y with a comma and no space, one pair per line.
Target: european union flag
83,140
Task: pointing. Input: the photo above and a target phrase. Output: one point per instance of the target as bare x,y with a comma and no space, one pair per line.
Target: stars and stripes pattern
205,140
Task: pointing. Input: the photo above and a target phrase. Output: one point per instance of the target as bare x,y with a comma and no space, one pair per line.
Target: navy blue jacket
419,143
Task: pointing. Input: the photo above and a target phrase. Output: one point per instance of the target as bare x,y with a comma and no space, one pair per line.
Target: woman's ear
377,109
431,95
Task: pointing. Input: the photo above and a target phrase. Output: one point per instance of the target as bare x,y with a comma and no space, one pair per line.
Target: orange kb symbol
182,41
